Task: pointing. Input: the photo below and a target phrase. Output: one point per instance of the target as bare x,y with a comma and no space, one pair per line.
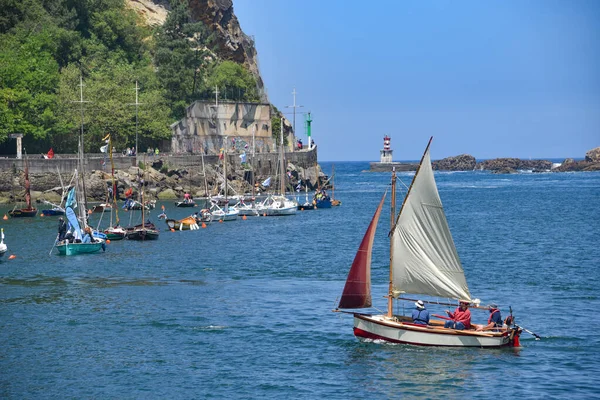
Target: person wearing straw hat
420,315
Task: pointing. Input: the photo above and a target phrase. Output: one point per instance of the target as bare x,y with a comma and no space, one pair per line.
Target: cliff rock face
232,44
464,162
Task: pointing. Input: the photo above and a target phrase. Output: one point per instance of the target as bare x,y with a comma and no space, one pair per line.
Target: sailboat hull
71,249
51,212
23,213
380,327
142,234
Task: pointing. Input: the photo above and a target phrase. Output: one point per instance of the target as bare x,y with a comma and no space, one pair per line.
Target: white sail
425,260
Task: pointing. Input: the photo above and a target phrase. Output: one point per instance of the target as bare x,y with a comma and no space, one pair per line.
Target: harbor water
243,309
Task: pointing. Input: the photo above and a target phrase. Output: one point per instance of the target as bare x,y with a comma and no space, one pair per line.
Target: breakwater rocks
466,162
159,182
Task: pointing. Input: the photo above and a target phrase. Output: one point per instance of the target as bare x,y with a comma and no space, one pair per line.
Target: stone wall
265,163
206,126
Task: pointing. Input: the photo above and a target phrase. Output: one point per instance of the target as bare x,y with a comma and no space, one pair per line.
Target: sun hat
493,305
420,304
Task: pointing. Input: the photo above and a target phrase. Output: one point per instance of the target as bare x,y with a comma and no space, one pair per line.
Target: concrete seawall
264,163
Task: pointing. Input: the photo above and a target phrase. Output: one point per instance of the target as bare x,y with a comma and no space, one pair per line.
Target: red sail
357,292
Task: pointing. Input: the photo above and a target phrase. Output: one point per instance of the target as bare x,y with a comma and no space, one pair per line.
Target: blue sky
498,78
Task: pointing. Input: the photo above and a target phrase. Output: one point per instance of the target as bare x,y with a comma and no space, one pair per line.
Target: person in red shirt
461,317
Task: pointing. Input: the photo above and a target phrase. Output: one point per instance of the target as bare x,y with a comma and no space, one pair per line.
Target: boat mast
390,307
83,206
114,185
204,174
281,182
393,220
252,164
225,172
141,196
27,183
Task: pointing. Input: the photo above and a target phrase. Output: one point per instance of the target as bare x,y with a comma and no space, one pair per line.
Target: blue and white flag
267,182
243,157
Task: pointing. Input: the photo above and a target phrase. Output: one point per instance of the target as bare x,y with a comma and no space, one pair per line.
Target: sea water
243,309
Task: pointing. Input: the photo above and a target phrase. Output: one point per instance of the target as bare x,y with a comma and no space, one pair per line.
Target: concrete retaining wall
265,163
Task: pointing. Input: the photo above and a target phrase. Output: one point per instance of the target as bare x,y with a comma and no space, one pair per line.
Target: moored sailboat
81,239
29,210
146,230
278,204
423,261
116,231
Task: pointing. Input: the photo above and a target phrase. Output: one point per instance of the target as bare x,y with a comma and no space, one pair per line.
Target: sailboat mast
281,181
252,162
114,185
225,169
83,206
204,174
390,307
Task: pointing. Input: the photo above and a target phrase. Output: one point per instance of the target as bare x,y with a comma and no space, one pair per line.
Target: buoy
220,221
107,241
5,217
90,211
301,208
12,256
243,217
265,214
42,214
203,225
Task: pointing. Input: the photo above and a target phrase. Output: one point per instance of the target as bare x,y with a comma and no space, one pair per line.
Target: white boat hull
380,327
231,215
279,211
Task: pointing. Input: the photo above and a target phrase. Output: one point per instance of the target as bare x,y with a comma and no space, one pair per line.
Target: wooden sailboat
423,261
116,231
28,211
144,231
81,240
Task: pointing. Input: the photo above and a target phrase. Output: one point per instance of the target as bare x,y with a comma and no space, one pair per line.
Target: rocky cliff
229,39
230,42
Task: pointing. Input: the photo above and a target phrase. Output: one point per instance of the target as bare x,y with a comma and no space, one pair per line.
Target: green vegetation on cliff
45,46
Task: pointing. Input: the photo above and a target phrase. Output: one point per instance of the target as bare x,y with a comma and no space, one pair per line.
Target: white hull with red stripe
380,327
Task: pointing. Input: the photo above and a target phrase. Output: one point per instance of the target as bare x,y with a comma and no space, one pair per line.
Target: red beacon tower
386,153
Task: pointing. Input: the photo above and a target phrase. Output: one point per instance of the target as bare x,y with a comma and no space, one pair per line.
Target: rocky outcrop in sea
464,162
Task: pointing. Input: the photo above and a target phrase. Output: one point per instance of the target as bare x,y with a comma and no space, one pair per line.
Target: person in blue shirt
420,315
494,321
